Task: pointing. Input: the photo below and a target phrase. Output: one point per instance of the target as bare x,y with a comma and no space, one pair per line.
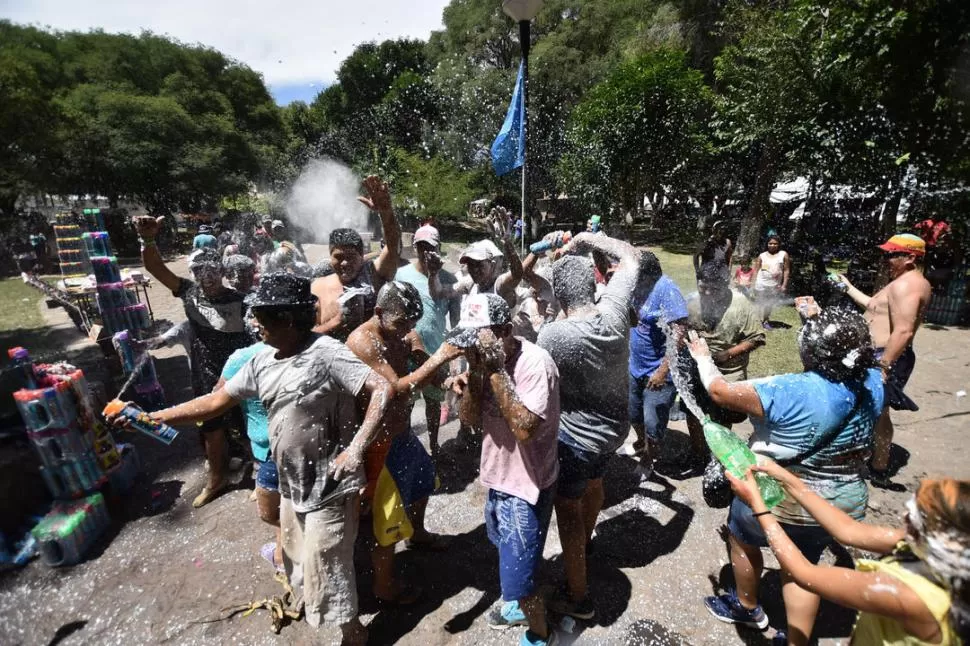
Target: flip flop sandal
268,552
208,495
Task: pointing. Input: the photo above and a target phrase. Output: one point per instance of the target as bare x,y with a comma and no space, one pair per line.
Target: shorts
268,476
651,408
897,379
318,554
576,468
518,530
811,540
407,462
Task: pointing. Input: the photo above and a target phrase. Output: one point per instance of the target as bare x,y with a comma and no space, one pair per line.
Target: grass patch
779,355
20,307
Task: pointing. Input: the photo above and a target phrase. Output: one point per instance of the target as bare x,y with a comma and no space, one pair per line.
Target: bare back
902,302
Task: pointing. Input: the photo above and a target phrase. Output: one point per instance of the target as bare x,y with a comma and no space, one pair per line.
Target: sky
297,45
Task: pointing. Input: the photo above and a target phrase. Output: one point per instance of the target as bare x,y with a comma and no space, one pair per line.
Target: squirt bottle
545,245
735,456
141,421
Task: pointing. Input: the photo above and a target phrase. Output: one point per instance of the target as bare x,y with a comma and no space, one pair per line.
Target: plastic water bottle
594,223
545,245
732,452
141,421
837,282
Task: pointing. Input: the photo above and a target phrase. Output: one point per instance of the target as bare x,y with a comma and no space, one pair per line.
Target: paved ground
166,571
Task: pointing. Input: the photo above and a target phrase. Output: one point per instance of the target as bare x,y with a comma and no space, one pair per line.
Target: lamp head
521,10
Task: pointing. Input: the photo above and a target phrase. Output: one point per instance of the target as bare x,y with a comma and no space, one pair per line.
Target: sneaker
507,615
880,480
727,608
529,638
582,610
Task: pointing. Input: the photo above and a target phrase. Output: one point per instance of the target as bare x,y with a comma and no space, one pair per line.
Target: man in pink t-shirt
511,391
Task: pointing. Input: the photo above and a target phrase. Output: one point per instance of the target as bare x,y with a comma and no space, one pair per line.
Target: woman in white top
772,269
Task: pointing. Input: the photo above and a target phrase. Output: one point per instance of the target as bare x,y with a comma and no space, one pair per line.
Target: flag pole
524,42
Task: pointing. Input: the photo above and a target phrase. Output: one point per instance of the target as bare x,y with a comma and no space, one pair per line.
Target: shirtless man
347,296
894,314
387,342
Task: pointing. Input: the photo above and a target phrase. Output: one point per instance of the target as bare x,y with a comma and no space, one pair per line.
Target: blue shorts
576,468
811,540
518,530
411,467
268,476
651,408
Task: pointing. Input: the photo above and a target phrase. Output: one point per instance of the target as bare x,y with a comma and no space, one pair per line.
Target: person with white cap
483,259
894,314
431,326
511,392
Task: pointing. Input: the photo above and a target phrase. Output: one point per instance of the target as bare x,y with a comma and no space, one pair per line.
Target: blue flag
508,149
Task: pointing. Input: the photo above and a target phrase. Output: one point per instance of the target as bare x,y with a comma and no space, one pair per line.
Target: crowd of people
554,358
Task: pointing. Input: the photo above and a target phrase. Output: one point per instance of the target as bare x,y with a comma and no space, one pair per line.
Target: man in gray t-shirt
591,349
308,385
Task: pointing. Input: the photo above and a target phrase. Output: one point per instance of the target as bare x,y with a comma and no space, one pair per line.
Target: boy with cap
388,343
348,295
511,391
431,325
309,385
204,238
894,314
215,320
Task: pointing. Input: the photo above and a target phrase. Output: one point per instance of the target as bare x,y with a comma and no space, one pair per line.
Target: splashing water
324,197
135,372
680,371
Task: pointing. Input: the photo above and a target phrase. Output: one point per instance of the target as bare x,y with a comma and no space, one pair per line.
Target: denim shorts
268,476
518,530
811,540
651,408
576,468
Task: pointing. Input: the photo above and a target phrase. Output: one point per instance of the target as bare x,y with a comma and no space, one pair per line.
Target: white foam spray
324,197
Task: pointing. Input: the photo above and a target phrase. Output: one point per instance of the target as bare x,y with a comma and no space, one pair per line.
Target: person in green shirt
732,328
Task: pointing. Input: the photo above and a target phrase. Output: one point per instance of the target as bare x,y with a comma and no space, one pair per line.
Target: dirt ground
165,572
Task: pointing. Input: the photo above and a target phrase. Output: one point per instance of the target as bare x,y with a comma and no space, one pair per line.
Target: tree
637,131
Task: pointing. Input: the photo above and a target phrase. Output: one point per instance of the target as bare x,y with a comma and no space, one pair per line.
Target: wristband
707,371
761,513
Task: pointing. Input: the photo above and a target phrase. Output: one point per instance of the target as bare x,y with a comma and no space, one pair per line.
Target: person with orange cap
894,314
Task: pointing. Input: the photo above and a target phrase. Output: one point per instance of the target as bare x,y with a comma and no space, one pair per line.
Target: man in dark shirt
215,319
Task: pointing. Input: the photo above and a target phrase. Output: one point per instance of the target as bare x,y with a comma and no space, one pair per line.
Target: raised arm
147,228
363,344
379,199
616,296
199,409
739,396
862,300
490,358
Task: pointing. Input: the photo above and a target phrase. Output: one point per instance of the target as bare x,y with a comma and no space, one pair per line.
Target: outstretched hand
378,194
498,219
146,226
746,489
697,346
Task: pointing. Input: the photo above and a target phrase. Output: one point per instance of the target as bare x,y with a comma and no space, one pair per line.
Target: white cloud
288,41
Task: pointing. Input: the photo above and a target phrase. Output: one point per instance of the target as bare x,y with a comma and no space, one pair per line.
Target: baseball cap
906,243
428,234
278,224
477,312
481,250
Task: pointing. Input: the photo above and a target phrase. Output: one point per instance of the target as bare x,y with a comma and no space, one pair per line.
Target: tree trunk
750,235
887,223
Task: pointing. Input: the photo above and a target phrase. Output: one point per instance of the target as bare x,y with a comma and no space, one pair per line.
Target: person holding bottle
819,423
918,594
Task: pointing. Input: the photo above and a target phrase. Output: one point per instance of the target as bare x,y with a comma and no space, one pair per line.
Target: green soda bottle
731,451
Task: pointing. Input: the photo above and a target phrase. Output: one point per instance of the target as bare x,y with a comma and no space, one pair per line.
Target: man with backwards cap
483,260
348,295
431,325
310,385
511,392
400,474
894,314
215,318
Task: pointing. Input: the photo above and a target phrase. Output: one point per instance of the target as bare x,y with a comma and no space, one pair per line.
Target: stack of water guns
78,456
71,251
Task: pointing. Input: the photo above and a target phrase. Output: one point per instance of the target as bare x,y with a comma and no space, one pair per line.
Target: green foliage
430,187
638,130
140,117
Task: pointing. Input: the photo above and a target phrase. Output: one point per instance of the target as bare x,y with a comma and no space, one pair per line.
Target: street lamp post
523,11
